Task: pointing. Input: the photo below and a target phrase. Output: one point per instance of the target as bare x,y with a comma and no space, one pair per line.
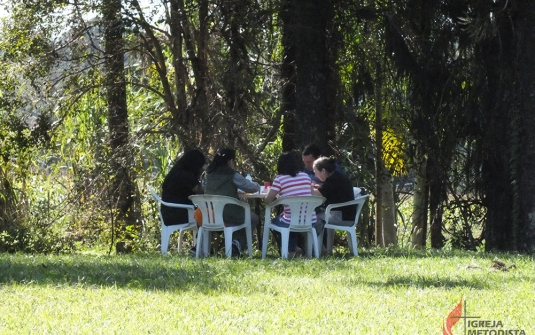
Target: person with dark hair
181,182
222,179
309,155
290,181
335,187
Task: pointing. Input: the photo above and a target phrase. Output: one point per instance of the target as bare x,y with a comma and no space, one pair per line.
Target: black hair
327,163
191,161
312,149
221,158
288,164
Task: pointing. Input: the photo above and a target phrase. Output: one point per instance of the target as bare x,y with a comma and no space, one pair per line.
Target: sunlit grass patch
381,292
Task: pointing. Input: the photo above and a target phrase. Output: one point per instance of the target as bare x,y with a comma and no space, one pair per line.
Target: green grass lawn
380,292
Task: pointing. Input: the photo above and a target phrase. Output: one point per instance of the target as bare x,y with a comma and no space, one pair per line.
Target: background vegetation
426,104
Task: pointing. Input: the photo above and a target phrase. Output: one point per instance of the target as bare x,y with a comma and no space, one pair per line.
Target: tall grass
381,292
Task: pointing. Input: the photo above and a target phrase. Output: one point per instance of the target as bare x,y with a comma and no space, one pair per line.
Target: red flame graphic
452,318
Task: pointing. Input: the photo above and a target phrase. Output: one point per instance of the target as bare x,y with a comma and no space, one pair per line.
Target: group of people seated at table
320,176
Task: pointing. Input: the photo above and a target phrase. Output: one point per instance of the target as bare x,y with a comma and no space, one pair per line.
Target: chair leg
165,240
194,236
352,239
316,245
310,243
249,235
285,236
180,239
228,243
320,240
200,245
265,239
207,238
330,239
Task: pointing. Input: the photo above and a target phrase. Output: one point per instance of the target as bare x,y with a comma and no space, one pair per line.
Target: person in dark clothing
309,156
336,188
181,182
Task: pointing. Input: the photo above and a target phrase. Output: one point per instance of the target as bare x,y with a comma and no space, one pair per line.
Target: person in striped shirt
289,182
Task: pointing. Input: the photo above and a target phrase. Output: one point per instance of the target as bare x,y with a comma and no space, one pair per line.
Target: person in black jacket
182,181
336,188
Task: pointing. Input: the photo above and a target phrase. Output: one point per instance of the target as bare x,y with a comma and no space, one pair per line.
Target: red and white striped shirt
288,186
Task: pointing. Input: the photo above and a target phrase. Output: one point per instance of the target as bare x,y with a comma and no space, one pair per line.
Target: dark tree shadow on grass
424,282
182,273
168,274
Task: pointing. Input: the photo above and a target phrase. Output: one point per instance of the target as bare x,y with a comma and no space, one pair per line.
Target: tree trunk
365,229
181,75
236,78
288,73
305,71
122,187
379,164
192,122
385,225
419,208
436,192
523,141
8,205
388,210
497,55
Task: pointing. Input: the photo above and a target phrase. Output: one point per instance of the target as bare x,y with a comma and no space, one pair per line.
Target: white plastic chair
301,210
183,227
349,226
211,207
356,192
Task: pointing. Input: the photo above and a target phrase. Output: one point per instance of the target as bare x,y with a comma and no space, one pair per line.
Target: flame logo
452,318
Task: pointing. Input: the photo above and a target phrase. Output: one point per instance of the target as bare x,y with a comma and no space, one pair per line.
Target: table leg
257,209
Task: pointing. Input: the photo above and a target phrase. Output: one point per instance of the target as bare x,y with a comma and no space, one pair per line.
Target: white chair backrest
211,207
153,193
301,208
359,201
156,198
170,204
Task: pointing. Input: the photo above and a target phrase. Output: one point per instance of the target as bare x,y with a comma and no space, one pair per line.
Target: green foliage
218,84
34,220
27,34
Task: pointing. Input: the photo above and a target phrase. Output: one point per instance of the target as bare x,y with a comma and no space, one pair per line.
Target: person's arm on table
244,184
271,196
316,191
